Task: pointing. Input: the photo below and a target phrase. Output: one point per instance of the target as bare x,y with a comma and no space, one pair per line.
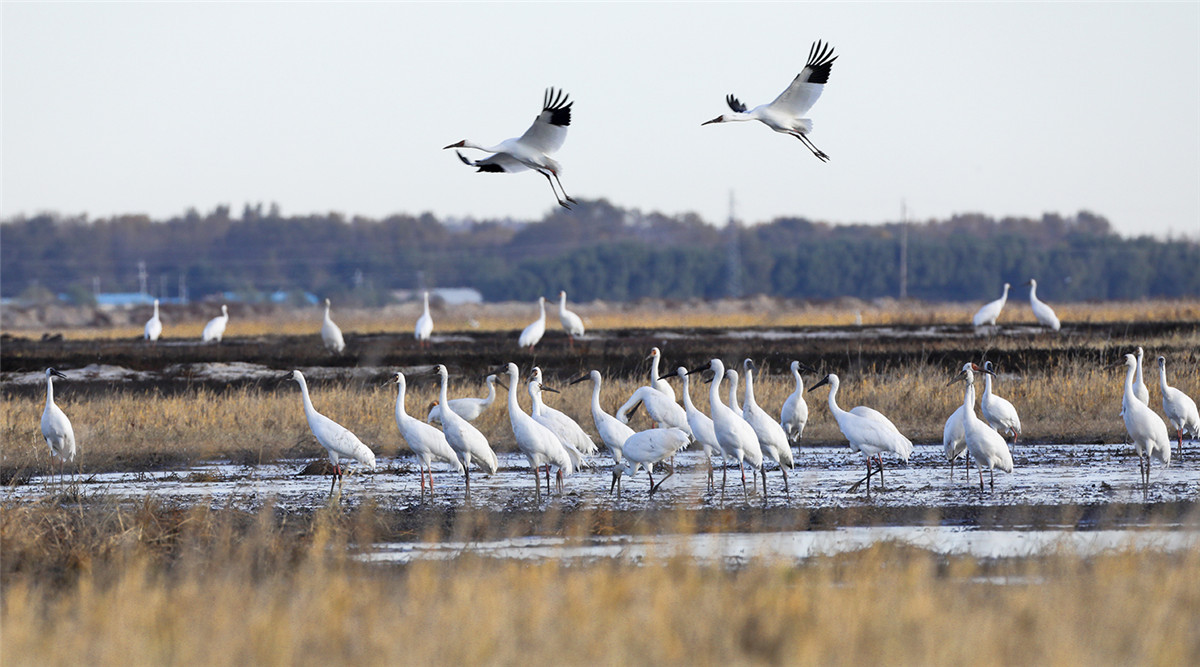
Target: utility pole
733,253
183,295
142,276
903,250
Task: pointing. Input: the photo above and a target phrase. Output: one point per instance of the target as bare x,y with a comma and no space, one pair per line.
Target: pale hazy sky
1004,109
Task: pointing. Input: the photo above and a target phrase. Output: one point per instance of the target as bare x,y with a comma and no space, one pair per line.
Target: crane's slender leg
810,146
467,472
537,483
650,474
430,467
561,203
742,467
708,462
613,485
560,187
421,470
880,458
547,479
992,480
332,480
869,470
786,489
981,479
653,486
763,470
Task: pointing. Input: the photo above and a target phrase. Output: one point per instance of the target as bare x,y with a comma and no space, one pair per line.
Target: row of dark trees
596,251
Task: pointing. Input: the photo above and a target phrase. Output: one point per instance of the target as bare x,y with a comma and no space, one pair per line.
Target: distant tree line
596,251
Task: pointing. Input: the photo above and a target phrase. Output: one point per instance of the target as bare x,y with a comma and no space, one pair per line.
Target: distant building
452,296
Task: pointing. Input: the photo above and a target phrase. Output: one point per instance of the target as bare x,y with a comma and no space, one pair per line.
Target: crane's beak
708,122
805,368
58,374
824,381
962,375
579,379
457,145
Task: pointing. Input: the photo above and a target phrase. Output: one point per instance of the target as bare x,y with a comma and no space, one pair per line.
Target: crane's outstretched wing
500,163
806,88
549,129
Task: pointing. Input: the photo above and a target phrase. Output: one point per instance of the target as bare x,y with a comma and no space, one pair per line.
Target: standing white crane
868,431
613,433
466,440
424,328
735,437
954,439
153,325
986,446
568,430
56,428
701,425
215,329
794,415
530,150
991,311
538,443
661,408
573,455
1147,430
771,437
646,448
468,408
425,441
533,333
571,323
657,381
331,335
997,411
785,113
1044,314
337,440
1180,408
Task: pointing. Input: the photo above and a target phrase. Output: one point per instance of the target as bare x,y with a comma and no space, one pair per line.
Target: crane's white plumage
1180,408
1044,314
153,325
700,423
735,437
771,437
657,381
424,328
425,441
533,333
868,431
539,445
1139,383
613,432
215,329
645,448
662,408
954,439
997,411
56,428
531,150
785,113
986,446
990,311
568,430
794,415
468,408
337,440
466,440
331,335
1147,430
571,323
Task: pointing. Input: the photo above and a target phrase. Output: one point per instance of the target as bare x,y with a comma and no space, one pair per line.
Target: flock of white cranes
745,436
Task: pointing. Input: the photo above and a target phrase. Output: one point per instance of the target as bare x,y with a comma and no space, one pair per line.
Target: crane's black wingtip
735,104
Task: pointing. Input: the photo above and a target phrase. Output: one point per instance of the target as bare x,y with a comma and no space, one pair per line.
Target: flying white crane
571,323
425,441
736,438
331,335
1147,430
794,415
998,412
215,329
771,437
533,333
990,311
539,445
613,433
646,448
701,425
56,428
986,446
424,328
868,431
568,430
335,438
468,408
1044,314
530,150
153,325
1180,408
466,440
785,113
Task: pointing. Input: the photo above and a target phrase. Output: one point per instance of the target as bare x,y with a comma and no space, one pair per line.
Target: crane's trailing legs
810,146
565,200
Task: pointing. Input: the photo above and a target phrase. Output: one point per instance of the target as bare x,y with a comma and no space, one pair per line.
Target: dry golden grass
598,316
155,586
1074,401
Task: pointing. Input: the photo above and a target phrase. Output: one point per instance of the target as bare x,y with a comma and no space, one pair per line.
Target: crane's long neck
155,309
596,409
1140,377
1033,293
535,394
1004,295
542,309
688,406
987,388
969,398
491,397
562,303
748,399
514,407
401,413
309,410
654,370
833,406
714,393
733,386
1162,378
427,303
1129,373
327,311
799,380
50,390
